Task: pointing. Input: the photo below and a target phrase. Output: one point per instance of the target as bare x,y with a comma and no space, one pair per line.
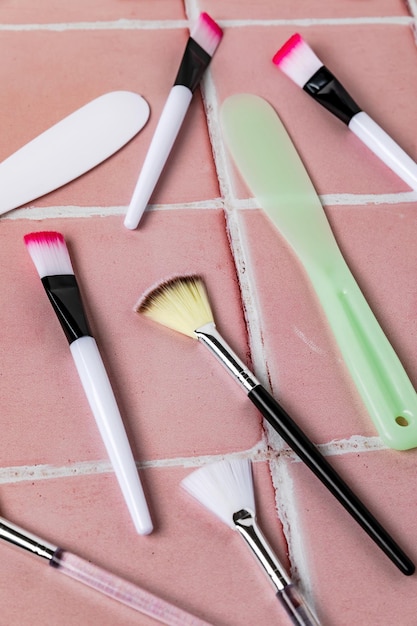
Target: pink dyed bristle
43,237
287,48
211,24
207,33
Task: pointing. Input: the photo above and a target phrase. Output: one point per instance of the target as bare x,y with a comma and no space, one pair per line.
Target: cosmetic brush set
268,162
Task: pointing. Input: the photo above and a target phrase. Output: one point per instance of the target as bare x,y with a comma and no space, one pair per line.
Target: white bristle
297,60
207,33
224,488
49,253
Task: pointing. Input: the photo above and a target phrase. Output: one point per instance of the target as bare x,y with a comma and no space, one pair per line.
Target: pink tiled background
181,410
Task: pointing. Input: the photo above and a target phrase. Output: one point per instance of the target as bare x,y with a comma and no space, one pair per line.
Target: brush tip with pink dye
202,43
51,258
300,63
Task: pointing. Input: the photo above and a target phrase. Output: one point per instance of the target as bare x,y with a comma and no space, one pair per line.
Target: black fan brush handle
301,444
285,426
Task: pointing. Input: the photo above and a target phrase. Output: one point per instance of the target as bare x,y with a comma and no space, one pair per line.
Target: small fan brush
182,304
226,489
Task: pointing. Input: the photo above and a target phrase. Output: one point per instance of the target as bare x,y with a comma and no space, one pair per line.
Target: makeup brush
50,256
97,578
182,304
226,489
298,61
201,46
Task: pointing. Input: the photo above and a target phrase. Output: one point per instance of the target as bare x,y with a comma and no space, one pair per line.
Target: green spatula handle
273,170
374,366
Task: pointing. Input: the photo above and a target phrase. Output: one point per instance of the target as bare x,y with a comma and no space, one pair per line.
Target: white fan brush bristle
207,33
180,303
297,60
224,488
49,253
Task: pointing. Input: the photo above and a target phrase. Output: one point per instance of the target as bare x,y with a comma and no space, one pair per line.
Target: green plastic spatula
268,162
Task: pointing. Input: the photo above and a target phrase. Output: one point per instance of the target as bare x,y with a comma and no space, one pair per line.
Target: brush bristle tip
288,46
180,303
224,488
297,60
207,33
49,253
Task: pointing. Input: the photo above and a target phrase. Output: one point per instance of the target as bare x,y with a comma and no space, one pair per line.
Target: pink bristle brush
298,61
204,38
50,256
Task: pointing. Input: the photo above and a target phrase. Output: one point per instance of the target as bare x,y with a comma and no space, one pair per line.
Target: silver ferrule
209,335
245,523
22,539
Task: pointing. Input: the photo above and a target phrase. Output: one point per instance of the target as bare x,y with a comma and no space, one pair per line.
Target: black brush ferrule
327,90
193,65
64,295
56,558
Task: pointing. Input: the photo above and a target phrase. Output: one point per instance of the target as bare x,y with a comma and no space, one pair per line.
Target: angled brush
182,304
301,64
51,258
226,489
202,43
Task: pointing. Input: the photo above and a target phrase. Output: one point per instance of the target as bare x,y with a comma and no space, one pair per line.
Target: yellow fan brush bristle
180,303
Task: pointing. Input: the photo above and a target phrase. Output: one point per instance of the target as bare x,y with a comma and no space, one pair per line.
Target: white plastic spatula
71,147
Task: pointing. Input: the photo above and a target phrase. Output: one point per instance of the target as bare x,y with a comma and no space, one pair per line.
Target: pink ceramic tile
192,559
286,9
376,63
353,581
71,68
48,12
175,397
304,362
177,402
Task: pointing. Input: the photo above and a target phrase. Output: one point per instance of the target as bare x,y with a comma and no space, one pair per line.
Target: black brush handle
310,455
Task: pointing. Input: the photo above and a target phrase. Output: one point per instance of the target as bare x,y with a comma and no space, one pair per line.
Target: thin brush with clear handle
98,578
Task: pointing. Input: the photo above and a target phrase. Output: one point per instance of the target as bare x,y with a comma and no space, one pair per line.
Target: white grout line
289,517
412,7
25,473
393,20
352,199
131,24
122,24
71,211
227,201
258,453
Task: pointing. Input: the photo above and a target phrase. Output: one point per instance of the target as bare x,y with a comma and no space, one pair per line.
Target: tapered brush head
297,60
49,253
224,488
207,33
180,303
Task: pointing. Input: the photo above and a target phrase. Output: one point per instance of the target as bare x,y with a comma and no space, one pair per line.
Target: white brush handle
104,407
166,132
381,144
